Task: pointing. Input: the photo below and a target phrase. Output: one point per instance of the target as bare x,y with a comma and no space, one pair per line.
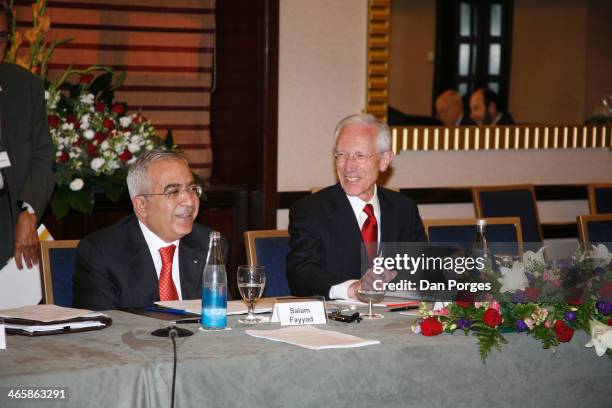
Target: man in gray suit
26,156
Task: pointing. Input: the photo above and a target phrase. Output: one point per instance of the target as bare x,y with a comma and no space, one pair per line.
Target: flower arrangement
96,139
552,301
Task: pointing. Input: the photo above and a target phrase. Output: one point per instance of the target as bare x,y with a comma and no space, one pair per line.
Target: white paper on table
234,307
312,338
47,313
51,327
2,336
22,287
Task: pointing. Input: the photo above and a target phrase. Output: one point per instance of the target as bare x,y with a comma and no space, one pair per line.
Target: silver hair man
138,178
383,134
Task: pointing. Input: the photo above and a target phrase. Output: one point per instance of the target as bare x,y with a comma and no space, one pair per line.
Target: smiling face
168,219
359,179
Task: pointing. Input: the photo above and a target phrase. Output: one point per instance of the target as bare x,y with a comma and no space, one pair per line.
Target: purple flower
464,323
530,278
518,297
599,271
520,326
570,316
604,307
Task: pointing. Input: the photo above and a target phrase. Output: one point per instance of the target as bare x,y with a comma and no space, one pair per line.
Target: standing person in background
26,156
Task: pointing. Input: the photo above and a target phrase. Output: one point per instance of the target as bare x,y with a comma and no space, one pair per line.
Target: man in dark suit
484,109
328,228
156,254
26,156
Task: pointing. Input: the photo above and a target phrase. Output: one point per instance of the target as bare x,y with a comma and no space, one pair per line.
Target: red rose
100,106
605,290
53,121
609,322
108,124
118,108
77,142
72,119
574,296
138,119
431,327
63,157
563,332
92,150
492,318
125,156
86,79
100,137
531,294
464,299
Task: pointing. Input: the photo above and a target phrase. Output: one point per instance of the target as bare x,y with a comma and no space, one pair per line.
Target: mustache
184,211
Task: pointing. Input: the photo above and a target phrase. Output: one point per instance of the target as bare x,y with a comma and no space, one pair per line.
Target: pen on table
185,321
165,310
402,309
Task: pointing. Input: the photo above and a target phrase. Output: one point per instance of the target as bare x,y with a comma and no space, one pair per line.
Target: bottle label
214,307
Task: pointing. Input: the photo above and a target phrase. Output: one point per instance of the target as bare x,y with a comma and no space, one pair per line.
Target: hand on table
367,281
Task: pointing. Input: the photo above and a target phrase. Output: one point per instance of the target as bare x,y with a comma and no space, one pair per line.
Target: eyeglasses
173,194
359,158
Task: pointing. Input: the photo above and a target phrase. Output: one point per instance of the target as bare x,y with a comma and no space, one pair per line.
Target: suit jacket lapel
191,264
140,262
343,218
389,218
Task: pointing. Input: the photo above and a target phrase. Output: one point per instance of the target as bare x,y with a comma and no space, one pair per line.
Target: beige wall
322,78
412,47
322,74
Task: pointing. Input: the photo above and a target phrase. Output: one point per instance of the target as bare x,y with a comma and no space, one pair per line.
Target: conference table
125,366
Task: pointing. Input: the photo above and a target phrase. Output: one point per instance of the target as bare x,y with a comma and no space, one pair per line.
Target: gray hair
138,175
383,134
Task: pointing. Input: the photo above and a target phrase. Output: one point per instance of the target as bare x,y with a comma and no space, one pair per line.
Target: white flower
125,121
89,134
133,148
76,184
601,256
530,257
104,145
67,126
47,95
87,99
601,337
513,279
97,163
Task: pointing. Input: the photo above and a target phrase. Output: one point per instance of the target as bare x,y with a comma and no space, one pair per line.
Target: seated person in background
328,228
449,109
156,254
484,109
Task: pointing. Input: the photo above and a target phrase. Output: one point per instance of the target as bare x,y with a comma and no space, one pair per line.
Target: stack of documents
312,338
40,320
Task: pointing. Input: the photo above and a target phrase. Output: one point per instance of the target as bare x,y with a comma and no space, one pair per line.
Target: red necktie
369,232
167,290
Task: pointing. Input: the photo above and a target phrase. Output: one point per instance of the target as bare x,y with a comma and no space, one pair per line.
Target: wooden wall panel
165,46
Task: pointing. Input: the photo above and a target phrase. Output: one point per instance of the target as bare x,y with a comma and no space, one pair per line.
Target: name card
2,336
299,313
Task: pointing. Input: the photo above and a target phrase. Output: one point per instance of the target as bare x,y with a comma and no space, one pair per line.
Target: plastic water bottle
214,287
481,247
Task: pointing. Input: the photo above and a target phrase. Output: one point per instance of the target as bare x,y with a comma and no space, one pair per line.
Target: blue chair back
511,202
58,268
503,236
271,251
596,229
600,197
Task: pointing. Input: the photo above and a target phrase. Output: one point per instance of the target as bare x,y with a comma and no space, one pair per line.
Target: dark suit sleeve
39,182
414,231
92,286
305,271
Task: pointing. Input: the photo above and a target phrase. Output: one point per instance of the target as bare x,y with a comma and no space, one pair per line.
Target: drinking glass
251,282
370,295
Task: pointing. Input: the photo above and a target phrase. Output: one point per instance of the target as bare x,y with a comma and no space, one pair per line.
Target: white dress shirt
155,243
340,291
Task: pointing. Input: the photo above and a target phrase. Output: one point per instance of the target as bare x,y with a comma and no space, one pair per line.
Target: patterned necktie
167,290
369,232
